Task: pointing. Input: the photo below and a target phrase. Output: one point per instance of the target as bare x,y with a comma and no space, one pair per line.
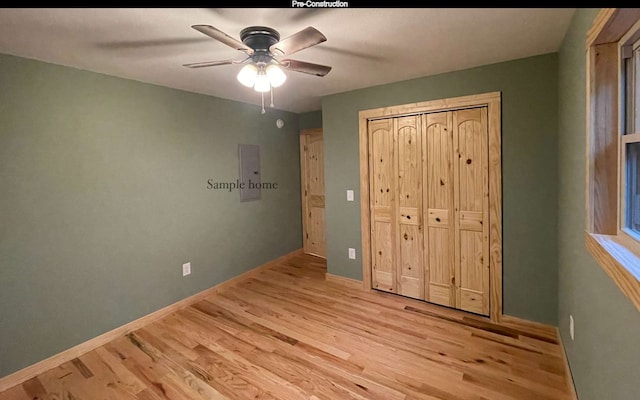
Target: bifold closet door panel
472,203
438,194
382,205
409,219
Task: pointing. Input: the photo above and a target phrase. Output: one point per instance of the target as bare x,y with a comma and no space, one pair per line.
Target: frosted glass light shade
262,83
248,75
276,75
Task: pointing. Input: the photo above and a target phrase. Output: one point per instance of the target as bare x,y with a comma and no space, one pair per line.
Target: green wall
529,126
605,354
104,196
310,120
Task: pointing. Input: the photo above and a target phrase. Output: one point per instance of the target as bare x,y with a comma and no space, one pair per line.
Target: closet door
408,214
429,169
382,205
471,176
438,195
429,207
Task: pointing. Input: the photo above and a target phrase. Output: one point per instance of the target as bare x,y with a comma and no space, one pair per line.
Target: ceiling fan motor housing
259,38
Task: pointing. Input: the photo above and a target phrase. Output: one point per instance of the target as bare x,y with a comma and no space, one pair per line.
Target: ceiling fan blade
209,63
306,67
298,41
223,37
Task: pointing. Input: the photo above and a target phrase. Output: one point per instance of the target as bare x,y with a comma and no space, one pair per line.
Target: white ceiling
365,47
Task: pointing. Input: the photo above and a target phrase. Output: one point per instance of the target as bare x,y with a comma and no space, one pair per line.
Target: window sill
618,261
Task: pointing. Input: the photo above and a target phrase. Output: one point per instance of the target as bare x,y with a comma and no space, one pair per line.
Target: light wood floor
286,333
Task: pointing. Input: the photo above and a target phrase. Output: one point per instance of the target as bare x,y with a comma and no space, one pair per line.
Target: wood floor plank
149,370
401,337
106,381
466,361
340,371
287,333
17,393
298,372
187,376
358,341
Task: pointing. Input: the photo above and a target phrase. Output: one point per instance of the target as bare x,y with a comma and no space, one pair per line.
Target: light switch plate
352,253
349,195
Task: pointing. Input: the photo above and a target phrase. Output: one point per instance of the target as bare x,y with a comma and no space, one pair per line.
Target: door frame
490,100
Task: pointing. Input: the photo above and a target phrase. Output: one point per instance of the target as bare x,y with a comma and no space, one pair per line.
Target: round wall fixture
279,123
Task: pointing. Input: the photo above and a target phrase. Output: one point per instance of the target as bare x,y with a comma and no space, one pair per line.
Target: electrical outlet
352,253
571,327
186,269
349,195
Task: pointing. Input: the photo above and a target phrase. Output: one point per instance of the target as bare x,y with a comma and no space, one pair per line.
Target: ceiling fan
264,49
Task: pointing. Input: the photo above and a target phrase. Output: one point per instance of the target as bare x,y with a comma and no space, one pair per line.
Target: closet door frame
490,100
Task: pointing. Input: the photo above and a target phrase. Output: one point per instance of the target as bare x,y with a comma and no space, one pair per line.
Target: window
613,146
631,216
630,143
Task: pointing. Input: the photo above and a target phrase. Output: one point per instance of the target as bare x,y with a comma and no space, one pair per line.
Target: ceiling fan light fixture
276,75
262,83
248,75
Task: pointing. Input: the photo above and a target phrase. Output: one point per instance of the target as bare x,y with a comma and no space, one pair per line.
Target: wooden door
471,202
429,205
438,197
312,187
396,206
382,207
408,215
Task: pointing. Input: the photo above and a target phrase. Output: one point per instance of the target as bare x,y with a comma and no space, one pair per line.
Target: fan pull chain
271,90
263,111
